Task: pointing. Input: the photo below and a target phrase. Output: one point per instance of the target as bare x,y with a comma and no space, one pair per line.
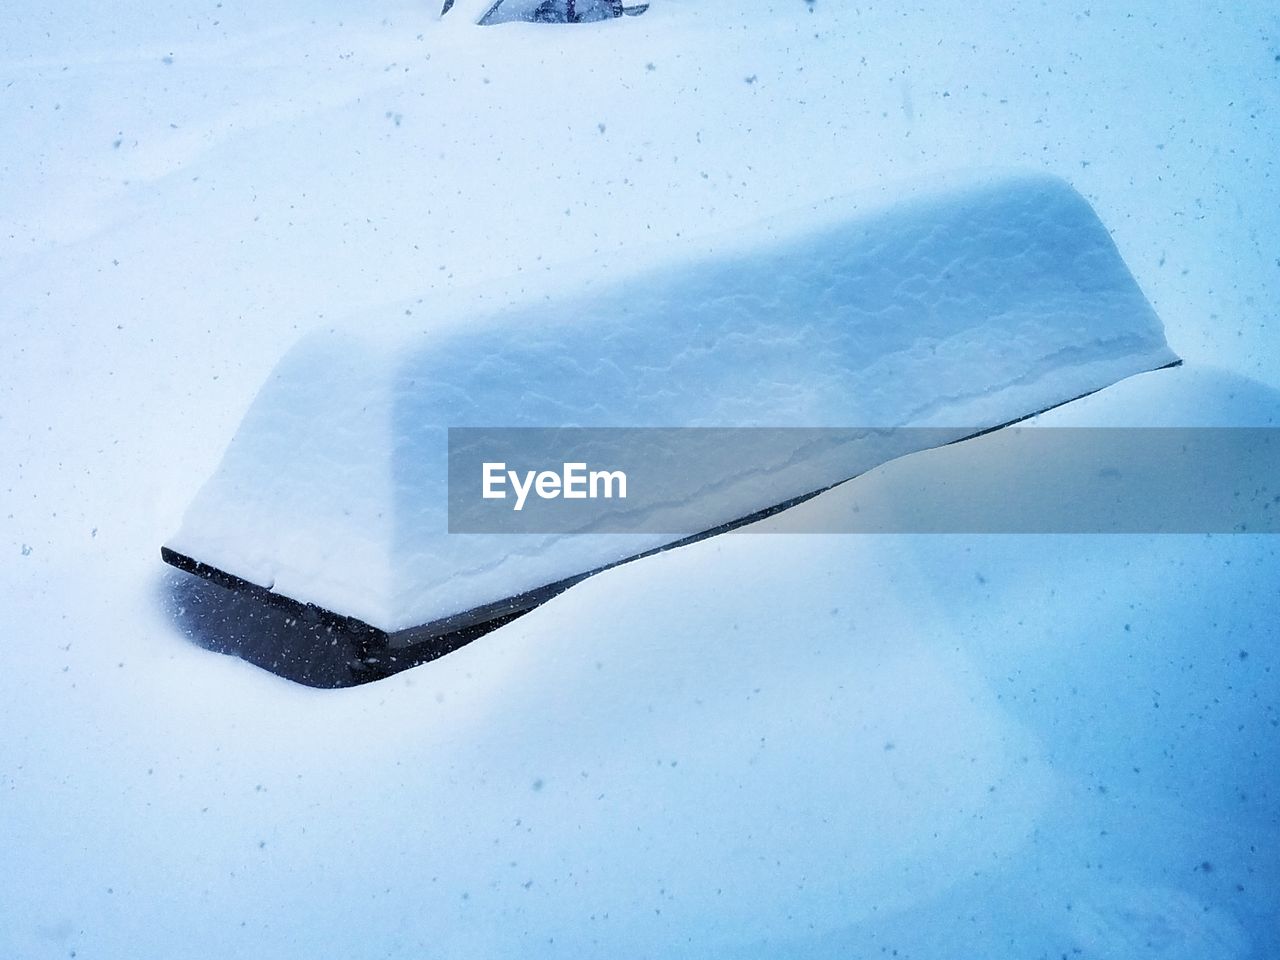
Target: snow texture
968,310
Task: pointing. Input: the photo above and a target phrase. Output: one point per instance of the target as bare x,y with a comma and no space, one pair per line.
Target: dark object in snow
555,11
317,647
300,641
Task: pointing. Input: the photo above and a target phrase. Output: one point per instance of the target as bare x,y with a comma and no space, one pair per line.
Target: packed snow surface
969,309
996,747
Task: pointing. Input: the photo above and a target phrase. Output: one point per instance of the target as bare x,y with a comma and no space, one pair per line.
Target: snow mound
967,310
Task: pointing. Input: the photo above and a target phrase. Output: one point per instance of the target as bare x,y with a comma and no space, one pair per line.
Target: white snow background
758,746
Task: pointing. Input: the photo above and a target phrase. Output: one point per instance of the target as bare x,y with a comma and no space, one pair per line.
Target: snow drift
966,310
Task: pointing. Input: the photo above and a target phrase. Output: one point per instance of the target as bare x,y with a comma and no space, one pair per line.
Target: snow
1081,728
971,308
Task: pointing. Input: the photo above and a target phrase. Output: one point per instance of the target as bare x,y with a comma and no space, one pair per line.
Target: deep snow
769,746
